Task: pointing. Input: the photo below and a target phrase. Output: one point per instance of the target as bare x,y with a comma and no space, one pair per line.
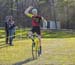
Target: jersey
35,20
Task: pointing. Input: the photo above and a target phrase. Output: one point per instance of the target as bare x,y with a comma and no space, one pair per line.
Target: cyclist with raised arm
36,19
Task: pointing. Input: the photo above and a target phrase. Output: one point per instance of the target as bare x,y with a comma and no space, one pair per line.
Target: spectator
10,30
6,29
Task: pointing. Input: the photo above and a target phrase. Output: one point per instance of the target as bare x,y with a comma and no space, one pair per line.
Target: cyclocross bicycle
35,46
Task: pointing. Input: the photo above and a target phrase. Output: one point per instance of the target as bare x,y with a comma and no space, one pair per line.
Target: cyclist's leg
30,34
40,46
39,37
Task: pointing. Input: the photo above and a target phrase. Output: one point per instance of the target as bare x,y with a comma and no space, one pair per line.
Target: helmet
34,11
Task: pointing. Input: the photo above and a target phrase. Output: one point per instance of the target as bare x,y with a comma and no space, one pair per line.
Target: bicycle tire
35,50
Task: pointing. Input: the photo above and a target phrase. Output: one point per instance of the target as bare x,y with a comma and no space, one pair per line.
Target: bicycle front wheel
35,49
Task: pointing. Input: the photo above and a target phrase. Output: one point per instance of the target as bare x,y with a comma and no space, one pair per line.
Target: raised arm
27,11
44,21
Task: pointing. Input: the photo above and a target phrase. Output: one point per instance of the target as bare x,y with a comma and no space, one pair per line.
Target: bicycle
35,46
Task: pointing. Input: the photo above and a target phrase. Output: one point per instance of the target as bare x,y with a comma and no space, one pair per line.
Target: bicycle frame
35,47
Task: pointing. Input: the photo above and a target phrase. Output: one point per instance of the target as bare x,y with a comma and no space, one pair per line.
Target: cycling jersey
35,19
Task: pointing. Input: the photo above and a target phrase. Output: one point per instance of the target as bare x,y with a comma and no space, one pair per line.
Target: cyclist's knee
39,37
30,34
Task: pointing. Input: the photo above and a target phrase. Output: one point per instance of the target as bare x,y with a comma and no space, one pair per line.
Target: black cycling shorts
36,29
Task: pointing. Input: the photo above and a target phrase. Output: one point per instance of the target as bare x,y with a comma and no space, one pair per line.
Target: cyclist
36,19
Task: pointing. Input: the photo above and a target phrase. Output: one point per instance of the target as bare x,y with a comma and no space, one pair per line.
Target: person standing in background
6,29
10,30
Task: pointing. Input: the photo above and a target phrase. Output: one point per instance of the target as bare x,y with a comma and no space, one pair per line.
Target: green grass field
56,51
45,33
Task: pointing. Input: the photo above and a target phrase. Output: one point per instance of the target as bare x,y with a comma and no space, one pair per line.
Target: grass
56,51
58,34
45,34
20,51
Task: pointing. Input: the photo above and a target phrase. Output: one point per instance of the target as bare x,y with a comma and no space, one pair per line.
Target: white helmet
34,11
